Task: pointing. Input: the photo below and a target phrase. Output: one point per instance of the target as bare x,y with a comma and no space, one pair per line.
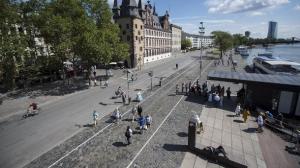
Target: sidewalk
239,139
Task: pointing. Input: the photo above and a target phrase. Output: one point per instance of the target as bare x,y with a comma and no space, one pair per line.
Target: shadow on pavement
182,134
230,115
250,130
88,125
119,144
238,121
174,147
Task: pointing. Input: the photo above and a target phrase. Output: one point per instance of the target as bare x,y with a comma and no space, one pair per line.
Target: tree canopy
185,44
223,41
71,29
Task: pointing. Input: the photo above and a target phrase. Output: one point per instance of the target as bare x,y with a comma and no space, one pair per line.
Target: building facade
272,31
176,38
198,41
148,35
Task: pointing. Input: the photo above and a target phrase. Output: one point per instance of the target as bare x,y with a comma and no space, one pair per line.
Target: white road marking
100,131
139,152
154,132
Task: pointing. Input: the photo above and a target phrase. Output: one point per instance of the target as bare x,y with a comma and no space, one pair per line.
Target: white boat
242,50
266,54
276,66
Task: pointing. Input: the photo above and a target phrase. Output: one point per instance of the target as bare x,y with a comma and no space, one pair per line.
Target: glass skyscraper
272,32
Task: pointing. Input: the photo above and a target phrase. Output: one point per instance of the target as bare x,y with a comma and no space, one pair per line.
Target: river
284,51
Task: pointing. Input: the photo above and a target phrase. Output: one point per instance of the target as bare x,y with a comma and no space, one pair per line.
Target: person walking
260,123
139,110
142,123
95,117
186,88
133,112
148,121
128,135
177,89
228,92
246,113
182,87
238,109
190,85
124,98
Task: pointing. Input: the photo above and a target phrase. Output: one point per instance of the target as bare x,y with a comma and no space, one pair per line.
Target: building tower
272,32
129,17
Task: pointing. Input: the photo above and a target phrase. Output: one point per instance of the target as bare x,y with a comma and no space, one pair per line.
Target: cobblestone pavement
108,150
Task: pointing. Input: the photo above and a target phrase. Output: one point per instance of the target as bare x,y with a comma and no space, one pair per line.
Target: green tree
223,40
239,39
185,44
12,42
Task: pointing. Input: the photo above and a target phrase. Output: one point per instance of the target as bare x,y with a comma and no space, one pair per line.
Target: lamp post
201,32
128,72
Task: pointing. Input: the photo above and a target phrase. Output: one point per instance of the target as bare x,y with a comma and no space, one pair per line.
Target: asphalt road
26,139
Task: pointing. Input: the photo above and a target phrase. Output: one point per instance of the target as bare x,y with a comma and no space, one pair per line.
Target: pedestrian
228,92
212,88
148,121
177,89
197,82
210,97
139,110
246,113
199,89
260,123
95,117
124,98
142,123
116,116
238,109
128,135
217,99
182,87
221,100
280,119
176,66
100,81
190,85
186,88
94,73
133,112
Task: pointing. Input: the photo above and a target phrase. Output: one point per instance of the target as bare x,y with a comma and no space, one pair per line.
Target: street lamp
201,32
128,72
150,73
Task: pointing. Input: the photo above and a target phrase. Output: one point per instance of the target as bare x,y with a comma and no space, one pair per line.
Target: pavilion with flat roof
277,93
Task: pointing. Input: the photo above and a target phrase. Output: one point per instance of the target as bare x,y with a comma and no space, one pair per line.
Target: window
128,38
141,27
135,26
124,32
139,33
136,37
141,48
127,26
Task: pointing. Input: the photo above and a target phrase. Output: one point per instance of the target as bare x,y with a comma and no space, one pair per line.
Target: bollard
192,134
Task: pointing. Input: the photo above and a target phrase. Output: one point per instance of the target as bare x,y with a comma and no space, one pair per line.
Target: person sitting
270,117
116,115
260,123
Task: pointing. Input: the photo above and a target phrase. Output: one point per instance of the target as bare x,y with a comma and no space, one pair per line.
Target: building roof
178,27
283,81
282,62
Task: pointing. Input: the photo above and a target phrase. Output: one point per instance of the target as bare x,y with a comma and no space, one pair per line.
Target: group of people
143,121
217,93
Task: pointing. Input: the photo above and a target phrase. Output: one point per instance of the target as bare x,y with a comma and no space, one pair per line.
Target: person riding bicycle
32,108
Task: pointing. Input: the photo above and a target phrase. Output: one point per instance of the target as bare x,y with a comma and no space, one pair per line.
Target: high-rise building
272,32
247,34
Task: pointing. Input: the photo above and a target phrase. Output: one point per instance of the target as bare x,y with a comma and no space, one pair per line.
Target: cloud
297,7
256,13
234,6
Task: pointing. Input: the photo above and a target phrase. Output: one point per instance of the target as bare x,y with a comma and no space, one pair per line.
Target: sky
233,16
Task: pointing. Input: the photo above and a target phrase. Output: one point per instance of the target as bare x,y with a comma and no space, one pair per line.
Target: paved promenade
239,139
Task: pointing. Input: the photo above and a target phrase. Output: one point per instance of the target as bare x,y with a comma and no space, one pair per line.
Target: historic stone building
149,35
176,38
